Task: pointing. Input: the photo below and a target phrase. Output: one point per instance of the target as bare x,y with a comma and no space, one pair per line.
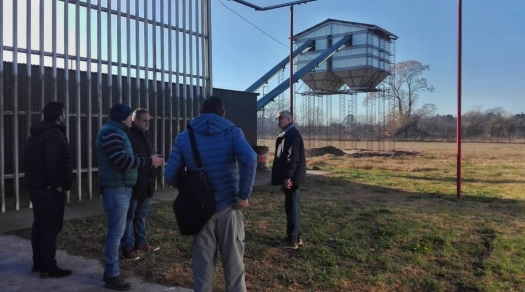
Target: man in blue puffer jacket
222,147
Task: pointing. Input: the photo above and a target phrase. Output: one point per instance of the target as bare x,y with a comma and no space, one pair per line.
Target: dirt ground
315,152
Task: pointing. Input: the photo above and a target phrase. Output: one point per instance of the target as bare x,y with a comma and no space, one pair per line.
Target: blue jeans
136,221
293,216
116,205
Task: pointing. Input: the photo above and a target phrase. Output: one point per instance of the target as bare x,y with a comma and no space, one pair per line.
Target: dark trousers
48,212
293,216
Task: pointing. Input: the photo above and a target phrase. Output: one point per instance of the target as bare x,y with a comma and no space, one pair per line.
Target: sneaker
147,247
58,273
289,244
300,242
116,283
130,255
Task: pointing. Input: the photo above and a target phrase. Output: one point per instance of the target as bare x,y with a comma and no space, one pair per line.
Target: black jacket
47,159
147,175
290,158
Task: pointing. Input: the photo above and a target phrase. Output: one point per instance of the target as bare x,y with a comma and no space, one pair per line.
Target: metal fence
89,55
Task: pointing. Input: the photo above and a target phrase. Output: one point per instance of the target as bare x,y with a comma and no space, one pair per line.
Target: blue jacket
221,146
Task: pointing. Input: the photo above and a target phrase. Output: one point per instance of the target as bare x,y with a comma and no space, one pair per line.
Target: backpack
195,203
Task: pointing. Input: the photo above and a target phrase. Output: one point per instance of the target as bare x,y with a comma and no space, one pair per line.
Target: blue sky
493,44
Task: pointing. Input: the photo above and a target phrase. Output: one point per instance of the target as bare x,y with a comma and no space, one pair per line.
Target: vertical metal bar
208,48
162,88
110,65
146,60
54,47
137,50
99,63
28,71
170,82
42,68
184,78
89,109
197,57
203,51
190,36
66,70
458,120
2,141
119,51
177,64
128,53
15,104
291,60
155,116
28,65
79,118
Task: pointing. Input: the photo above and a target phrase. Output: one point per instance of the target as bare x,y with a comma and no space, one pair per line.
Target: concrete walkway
16,253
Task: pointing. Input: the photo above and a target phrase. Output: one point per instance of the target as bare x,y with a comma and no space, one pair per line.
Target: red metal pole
291,60
458,125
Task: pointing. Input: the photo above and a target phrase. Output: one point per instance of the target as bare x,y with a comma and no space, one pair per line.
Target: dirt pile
325,150
360,153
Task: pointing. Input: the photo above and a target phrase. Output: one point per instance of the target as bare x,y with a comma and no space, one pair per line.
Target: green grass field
373,223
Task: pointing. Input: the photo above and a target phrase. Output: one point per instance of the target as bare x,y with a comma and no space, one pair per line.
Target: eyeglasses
279,118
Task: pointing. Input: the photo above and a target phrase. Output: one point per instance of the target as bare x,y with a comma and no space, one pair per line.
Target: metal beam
258,8
307,68
305,47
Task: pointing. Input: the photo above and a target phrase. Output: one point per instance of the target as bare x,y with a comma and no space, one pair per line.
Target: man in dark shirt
288,171
142,191
48,176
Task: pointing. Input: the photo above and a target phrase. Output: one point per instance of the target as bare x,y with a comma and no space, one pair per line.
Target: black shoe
116,283
123,273
58,273
130,255
35,269
290,244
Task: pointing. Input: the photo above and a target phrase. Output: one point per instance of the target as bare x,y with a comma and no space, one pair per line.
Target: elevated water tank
361,66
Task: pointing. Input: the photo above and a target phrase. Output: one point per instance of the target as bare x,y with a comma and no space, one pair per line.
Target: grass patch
384,224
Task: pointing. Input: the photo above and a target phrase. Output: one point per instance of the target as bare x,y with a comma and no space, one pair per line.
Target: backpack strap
194,147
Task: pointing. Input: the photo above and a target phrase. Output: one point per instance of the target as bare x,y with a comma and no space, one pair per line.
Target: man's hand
287,183
59,189
241,204
156,160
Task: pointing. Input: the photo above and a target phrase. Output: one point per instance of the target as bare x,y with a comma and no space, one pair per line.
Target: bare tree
404,87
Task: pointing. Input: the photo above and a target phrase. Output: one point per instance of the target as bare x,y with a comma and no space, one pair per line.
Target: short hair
285,113
52,111
212,105
139,112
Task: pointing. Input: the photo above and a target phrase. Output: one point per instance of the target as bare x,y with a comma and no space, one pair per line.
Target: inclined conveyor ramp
270,96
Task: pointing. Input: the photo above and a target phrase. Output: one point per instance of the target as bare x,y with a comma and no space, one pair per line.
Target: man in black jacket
142,191
288,171
48,175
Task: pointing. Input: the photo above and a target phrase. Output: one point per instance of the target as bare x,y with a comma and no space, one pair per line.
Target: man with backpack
222,147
